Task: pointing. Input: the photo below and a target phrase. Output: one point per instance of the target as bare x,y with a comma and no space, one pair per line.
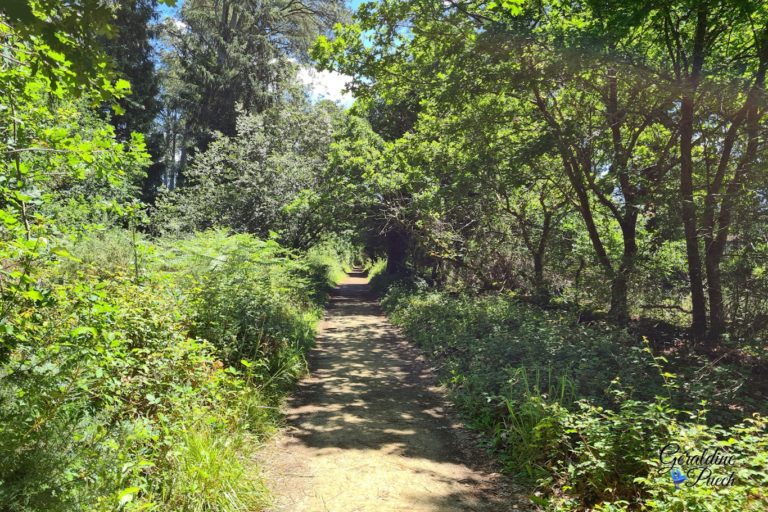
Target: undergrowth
378,278
581,412
141,376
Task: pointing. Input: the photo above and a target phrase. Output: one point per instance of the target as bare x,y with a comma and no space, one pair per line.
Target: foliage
221,58
378,279
131,52
253,298
134,374
489,339
260,180
575,408
208,467
100,368
600,160
552,143
60,42
57,156
512,172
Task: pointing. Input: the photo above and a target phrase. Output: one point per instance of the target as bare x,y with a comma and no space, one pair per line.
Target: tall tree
634,96
131,51
258,180
234,54
598,119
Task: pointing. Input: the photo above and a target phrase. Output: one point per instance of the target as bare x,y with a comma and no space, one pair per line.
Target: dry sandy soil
369,431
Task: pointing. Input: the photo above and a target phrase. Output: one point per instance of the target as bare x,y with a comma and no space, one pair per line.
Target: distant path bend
367,431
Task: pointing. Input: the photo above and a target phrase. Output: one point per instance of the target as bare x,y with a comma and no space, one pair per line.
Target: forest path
368,431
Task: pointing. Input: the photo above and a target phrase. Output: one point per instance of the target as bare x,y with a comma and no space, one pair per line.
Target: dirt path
367,432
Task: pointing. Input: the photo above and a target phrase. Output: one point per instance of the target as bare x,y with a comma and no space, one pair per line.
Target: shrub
255,300
148,391
380,281
610,460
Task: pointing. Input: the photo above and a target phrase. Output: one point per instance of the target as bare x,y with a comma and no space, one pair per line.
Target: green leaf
126,495
33,295
123,85
64,253
79,331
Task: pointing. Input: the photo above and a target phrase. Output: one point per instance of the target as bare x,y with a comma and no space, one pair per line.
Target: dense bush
147,390
581,410
484,342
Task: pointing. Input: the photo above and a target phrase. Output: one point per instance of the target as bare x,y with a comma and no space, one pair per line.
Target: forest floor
369,430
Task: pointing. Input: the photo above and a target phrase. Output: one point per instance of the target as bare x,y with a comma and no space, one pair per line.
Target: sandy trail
368,432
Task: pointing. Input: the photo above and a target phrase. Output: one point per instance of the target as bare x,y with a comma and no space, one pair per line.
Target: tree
257,181
347,197
627,95
574,98
131,52
236,54
62,42
697,47
54,147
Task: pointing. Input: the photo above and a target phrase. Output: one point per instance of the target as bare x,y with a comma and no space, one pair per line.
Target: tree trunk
541,291
696,282
718,232
699,320
715,291
619,311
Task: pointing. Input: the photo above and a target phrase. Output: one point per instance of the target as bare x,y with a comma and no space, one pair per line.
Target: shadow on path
368,432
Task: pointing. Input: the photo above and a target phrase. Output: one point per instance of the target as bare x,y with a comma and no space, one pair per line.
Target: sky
328,84
320,84
325,85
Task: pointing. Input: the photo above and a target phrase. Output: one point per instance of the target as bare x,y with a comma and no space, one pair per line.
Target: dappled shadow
371,393
490,500
367,389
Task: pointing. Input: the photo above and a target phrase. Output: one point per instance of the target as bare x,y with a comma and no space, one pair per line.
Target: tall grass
208,473
531,425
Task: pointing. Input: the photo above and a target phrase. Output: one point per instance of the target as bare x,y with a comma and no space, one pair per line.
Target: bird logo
677,477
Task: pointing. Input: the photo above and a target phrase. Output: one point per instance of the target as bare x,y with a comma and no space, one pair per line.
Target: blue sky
166,10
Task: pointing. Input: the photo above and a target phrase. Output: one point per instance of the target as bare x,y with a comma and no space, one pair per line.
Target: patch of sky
320,85
169,11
